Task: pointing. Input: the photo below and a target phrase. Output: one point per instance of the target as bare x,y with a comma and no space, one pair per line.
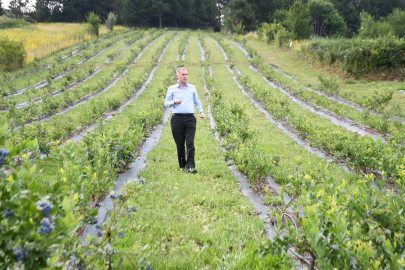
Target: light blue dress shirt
188,95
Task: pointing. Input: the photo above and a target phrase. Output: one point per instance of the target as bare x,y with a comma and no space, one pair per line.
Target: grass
193,54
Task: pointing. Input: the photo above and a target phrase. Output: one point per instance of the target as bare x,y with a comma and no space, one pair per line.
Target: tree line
335,13
209,13
153,13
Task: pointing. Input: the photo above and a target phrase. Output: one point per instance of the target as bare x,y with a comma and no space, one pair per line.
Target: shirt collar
178,85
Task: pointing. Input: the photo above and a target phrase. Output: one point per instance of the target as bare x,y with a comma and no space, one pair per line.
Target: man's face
182,76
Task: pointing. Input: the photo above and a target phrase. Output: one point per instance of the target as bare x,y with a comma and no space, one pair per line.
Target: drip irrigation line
243,50
288,215
291,249
300,257
202,51
222,49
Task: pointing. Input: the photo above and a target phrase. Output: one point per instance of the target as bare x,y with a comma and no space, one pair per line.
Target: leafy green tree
347,9
265,9
18,7
157,10
299,20
238,28
237,11
129,12
326,20
373,29
1,9
206,13
280,16
102,7
110,21
94,23
154,13
270,30
12,54
397,21
43,11
379,8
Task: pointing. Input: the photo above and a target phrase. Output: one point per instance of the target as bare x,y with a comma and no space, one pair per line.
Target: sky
4,3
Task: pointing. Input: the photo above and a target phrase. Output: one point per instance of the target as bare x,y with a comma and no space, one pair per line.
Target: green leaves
70,221
352,225
29,222
357,56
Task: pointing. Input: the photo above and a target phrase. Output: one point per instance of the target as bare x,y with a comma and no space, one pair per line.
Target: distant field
43,38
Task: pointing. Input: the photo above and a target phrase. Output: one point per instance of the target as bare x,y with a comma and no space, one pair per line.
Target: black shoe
182,169
191,170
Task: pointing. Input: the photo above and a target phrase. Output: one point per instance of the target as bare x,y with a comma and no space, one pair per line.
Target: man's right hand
177,101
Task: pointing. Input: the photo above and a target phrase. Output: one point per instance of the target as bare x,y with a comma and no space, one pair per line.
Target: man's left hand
202,115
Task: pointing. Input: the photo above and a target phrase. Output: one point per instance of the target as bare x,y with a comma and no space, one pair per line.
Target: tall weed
357,56
12,54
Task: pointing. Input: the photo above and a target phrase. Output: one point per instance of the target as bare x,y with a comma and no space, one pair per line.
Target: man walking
182,97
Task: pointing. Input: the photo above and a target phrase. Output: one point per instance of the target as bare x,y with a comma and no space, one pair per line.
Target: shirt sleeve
197,102
169,101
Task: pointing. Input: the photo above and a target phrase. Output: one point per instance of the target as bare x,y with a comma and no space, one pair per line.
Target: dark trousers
183,129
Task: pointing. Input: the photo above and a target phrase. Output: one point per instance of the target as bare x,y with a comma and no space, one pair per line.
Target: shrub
329,85
94,22
12,54
357,56
111,20
13,24
374,29
282,38
238,28
33,223
270,30
299,20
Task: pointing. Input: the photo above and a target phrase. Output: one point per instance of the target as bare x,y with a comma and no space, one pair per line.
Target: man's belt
183,113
